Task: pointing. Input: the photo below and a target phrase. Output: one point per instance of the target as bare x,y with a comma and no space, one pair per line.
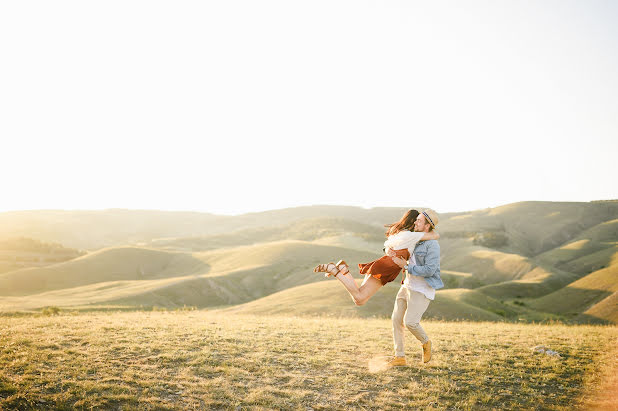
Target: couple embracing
411,245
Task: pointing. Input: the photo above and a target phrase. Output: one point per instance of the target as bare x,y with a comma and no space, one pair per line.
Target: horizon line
282,208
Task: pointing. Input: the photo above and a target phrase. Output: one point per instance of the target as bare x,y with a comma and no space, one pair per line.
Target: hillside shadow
572,302
590,319
590,262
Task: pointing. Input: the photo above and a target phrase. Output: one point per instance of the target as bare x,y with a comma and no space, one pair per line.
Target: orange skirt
384,268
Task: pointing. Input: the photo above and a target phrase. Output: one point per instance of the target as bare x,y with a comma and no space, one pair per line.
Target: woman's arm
432,235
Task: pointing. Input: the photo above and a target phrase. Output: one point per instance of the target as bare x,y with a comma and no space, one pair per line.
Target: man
422,279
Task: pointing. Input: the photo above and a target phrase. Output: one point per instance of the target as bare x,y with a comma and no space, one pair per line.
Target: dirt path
603,393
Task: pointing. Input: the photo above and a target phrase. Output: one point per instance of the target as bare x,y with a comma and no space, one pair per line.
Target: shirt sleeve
432,262
403,239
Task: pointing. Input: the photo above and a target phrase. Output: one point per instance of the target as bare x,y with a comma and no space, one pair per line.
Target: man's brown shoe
427,351
397,362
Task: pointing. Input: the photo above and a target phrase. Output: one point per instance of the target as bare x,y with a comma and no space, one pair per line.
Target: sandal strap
331,269
347,267
332,272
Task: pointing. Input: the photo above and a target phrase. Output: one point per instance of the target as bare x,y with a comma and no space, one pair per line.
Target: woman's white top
408,239
403,239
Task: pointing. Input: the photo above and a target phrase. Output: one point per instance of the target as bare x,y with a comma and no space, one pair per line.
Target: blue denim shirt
427,255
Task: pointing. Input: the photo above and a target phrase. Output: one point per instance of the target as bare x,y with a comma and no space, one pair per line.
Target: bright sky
237,106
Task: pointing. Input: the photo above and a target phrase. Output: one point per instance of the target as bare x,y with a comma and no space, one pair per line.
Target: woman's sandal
330,269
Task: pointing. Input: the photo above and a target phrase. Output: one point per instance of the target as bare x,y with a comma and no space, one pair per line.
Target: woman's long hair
406,223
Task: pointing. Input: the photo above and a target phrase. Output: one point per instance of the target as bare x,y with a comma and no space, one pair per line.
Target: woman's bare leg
361,294
341,272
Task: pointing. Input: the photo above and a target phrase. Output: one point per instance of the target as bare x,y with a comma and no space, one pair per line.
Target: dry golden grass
205,360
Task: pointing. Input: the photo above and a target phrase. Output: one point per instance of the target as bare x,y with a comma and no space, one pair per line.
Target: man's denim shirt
427,255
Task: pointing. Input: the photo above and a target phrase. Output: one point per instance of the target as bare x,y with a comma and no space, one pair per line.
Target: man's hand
399,261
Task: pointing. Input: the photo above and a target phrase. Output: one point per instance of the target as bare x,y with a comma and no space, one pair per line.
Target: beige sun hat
431,217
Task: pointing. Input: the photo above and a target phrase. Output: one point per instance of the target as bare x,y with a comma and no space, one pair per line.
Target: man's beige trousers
409,308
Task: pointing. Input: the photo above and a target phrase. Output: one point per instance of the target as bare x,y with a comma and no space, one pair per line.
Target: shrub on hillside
50,311
23,244
491,239
185,308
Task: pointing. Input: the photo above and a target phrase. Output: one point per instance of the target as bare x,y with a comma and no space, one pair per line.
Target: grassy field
215,360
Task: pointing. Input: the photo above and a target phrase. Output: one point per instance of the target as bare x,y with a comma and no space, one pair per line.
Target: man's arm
432,262
408,241
432,235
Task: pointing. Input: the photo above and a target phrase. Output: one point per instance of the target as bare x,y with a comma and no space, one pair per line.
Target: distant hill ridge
21,252
97,229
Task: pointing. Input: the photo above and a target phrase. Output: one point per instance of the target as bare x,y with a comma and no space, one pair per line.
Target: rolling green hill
304,230
591,250
321,298
329,298
18,253
531,227
538,282
117,227
581,295
487,265
605,310
530,260
144,277
534,227
111,264
90,230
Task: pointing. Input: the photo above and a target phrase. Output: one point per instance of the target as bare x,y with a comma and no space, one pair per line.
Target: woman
402,239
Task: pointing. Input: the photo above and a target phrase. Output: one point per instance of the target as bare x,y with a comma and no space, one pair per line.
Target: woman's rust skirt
384,268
